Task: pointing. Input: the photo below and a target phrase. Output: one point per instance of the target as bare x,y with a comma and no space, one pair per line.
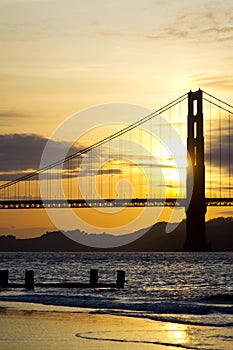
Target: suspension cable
96,144
221,101
217,105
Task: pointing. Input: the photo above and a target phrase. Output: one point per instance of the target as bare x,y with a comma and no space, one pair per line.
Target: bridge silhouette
199,177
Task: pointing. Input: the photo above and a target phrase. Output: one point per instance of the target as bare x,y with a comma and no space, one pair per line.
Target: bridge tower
195,180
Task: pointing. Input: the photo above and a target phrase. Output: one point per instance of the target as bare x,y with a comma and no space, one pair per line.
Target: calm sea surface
187,288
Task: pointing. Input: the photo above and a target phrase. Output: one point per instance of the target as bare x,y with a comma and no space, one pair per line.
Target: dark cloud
20,153
166,185
109,172
93,172
11,176
154,165
221,152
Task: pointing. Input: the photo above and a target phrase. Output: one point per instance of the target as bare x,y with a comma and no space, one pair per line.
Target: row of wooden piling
29,282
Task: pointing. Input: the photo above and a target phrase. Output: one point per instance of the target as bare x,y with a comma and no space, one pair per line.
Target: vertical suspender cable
140,163
71,187
229,153
109,170
91,173
29,188
119,168
101,174
130,164
50,184
150,192
220,153
47,196
68,177
210,150
160,156
170,188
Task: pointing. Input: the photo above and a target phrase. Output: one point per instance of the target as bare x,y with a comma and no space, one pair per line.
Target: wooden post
3,278
120,279
93,277
29,279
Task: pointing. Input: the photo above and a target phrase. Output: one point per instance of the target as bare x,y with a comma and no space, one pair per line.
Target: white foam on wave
167,311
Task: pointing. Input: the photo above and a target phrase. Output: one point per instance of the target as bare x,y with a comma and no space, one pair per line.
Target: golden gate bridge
205,172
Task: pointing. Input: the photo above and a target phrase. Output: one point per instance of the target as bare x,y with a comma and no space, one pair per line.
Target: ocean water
182,288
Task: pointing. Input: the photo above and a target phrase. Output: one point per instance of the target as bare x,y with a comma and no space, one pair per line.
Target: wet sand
29,326
22,328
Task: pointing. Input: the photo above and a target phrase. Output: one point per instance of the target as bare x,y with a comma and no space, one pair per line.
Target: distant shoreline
219,234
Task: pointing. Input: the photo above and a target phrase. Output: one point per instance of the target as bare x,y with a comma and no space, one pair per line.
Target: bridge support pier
195,182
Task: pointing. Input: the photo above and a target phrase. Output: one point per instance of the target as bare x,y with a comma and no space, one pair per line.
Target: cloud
109,172
221,82
217,30
205,25
154,165
6,117
92,172
10,114
220,156
202,27
20,153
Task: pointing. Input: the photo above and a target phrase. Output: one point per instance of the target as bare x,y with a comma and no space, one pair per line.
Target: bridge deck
108,203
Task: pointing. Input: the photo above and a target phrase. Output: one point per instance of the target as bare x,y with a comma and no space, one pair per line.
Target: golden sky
58,57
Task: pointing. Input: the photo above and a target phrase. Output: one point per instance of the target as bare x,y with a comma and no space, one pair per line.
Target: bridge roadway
107,203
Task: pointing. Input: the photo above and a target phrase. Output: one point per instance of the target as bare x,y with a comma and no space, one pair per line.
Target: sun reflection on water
177,333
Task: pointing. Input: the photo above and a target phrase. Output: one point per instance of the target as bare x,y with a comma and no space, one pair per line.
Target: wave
218,298
195,313
97,336
211,320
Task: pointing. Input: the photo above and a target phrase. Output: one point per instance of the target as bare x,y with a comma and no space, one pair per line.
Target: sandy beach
28,326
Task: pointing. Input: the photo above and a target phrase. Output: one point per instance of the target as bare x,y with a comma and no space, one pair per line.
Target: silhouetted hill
50,241
156,239
219,234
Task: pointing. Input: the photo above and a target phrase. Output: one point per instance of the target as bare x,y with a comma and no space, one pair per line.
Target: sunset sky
59,57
